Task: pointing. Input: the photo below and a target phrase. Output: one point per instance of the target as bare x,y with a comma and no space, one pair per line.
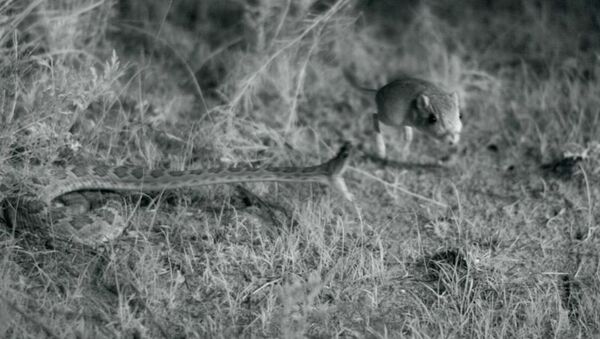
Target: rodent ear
422,102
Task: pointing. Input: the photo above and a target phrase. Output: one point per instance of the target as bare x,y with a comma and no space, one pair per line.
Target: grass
501,243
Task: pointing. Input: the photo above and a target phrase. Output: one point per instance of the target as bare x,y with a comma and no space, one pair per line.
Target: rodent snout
452,139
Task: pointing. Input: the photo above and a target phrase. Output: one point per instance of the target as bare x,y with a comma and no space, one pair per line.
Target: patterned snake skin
77,188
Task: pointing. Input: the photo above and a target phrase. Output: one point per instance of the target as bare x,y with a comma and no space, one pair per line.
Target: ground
499,241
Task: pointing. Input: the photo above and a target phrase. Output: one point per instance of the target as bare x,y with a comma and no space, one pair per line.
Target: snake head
337,166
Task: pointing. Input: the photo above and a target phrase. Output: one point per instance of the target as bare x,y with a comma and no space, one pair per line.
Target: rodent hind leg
379,139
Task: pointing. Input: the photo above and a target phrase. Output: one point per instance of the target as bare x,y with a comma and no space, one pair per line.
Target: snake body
75,184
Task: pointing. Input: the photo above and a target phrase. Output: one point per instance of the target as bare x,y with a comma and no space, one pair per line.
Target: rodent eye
432,119
460,116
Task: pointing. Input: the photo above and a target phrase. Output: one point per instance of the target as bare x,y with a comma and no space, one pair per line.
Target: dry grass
502,243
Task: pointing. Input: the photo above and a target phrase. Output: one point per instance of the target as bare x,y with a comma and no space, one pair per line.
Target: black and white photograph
299,169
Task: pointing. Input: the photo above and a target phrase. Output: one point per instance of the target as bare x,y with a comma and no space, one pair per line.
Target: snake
65,203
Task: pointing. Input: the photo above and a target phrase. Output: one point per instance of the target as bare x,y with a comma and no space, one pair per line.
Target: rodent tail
351,78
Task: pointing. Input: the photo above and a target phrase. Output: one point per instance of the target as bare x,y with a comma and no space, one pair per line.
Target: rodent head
439,116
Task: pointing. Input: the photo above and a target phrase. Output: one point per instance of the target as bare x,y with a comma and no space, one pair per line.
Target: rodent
410,102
